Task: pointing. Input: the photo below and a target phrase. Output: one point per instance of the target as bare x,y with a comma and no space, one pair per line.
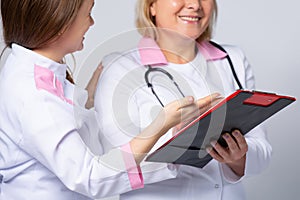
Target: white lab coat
129,106
42,155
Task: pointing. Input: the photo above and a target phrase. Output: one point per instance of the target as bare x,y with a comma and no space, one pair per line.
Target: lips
190,18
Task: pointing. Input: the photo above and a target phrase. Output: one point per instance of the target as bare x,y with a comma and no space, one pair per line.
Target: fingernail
191,99
217,95
100,66
235,133
226,136
208,149
213,143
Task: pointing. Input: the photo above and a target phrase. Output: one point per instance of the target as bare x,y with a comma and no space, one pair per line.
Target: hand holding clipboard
242,110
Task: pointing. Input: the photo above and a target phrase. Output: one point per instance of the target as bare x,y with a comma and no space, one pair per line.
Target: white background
268,31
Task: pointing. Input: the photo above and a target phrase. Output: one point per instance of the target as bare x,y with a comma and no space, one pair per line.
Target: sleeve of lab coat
119,114
259,149
50,136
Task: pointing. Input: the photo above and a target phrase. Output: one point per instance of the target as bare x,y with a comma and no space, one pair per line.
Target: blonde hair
145,22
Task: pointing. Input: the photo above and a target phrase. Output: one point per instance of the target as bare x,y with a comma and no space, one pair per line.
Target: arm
56,144
174,113
245,156
139,146
125,107
235,155
250,154
92,85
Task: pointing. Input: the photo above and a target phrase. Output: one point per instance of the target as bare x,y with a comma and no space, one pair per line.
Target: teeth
194,19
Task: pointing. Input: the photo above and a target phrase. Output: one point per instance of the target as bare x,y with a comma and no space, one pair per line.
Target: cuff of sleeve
229,175
80,96
258,157
133,170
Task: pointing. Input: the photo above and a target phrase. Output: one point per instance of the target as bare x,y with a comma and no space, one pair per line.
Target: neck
179,50
51,52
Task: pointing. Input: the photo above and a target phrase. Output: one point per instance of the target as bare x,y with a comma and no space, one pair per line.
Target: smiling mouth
190,18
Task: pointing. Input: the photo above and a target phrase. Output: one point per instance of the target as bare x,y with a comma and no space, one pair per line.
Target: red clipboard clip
262,99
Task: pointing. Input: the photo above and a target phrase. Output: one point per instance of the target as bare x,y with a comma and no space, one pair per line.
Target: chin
192,35
80,47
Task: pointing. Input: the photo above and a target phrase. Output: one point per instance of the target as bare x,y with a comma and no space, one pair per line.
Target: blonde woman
175,41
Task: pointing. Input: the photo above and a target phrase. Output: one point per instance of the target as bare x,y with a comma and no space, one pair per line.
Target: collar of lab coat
48,74
29,56
151,53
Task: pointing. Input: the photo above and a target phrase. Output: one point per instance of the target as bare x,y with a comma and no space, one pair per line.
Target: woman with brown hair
45,133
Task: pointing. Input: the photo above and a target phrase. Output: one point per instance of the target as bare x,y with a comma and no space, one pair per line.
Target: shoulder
27,89
241,65
122,73
121,58
236,55
229,48
217,50
233,50
16,85
116,64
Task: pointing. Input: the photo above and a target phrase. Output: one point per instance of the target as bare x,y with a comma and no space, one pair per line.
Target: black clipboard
242,110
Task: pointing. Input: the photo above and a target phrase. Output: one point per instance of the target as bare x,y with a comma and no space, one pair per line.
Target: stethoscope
150,69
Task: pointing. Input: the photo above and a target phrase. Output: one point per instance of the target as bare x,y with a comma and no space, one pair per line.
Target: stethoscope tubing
158,69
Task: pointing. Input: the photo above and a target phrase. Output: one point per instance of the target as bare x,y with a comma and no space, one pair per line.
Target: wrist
89,103
238,167
160,126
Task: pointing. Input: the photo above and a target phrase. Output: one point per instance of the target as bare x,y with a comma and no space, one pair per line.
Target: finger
215,95
206,102
95,77
231,142
214,154
240,140
223,153
97,72
184,102
100,68
177,128
216,100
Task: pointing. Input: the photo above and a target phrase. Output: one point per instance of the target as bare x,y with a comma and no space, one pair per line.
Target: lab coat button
217,186
171,167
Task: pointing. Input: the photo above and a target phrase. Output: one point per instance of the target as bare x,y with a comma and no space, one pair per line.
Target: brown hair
145,22
35,23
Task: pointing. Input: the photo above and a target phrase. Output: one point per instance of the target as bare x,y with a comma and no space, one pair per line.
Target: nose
193,4
92,22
